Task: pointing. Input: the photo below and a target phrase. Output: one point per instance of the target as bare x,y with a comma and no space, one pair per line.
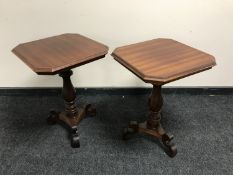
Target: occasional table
160,61
58,55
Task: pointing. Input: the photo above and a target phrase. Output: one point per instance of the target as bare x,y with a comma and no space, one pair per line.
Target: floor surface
202,126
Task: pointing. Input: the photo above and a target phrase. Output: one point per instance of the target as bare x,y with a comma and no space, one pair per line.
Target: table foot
159,132
71,121
170,148
75,143
53,118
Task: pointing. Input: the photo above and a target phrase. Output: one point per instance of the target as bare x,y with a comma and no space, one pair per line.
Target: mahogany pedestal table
158,62
58,55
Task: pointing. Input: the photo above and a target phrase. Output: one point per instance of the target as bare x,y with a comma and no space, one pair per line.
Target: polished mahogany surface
53,54
160,61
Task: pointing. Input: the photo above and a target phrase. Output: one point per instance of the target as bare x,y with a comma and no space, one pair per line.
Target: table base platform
165,138
71,122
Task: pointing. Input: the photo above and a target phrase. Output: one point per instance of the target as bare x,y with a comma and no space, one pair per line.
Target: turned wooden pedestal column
152,125
58,55
72,115
160,61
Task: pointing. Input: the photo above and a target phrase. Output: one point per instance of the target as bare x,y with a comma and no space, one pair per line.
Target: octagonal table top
57,53
160,61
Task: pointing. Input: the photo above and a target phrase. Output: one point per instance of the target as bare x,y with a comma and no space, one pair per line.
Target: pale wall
204,24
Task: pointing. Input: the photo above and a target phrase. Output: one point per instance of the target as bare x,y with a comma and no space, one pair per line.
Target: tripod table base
71,121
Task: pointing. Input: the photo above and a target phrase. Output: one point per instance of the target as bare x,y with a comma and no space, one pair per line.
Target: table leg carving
72,115
152,125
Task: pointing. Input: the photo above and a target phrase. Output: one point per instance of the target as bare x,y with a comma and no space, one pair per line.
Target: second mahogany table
158,62
58,55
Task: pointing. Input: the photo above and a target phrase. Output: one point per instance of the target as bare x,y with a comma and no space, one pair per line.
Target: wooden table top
160,61
57,53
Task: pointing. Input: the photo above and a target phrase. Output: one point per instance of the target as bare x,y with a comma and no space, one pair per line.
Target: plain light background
203,24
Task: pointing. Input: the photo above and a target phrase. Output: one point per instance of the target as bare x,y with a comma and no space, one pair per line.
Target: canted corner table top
53,54
160,61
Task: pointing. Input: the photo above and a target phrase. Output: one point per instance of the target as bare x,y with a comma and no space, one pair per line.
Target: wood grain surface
53,54
160,61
